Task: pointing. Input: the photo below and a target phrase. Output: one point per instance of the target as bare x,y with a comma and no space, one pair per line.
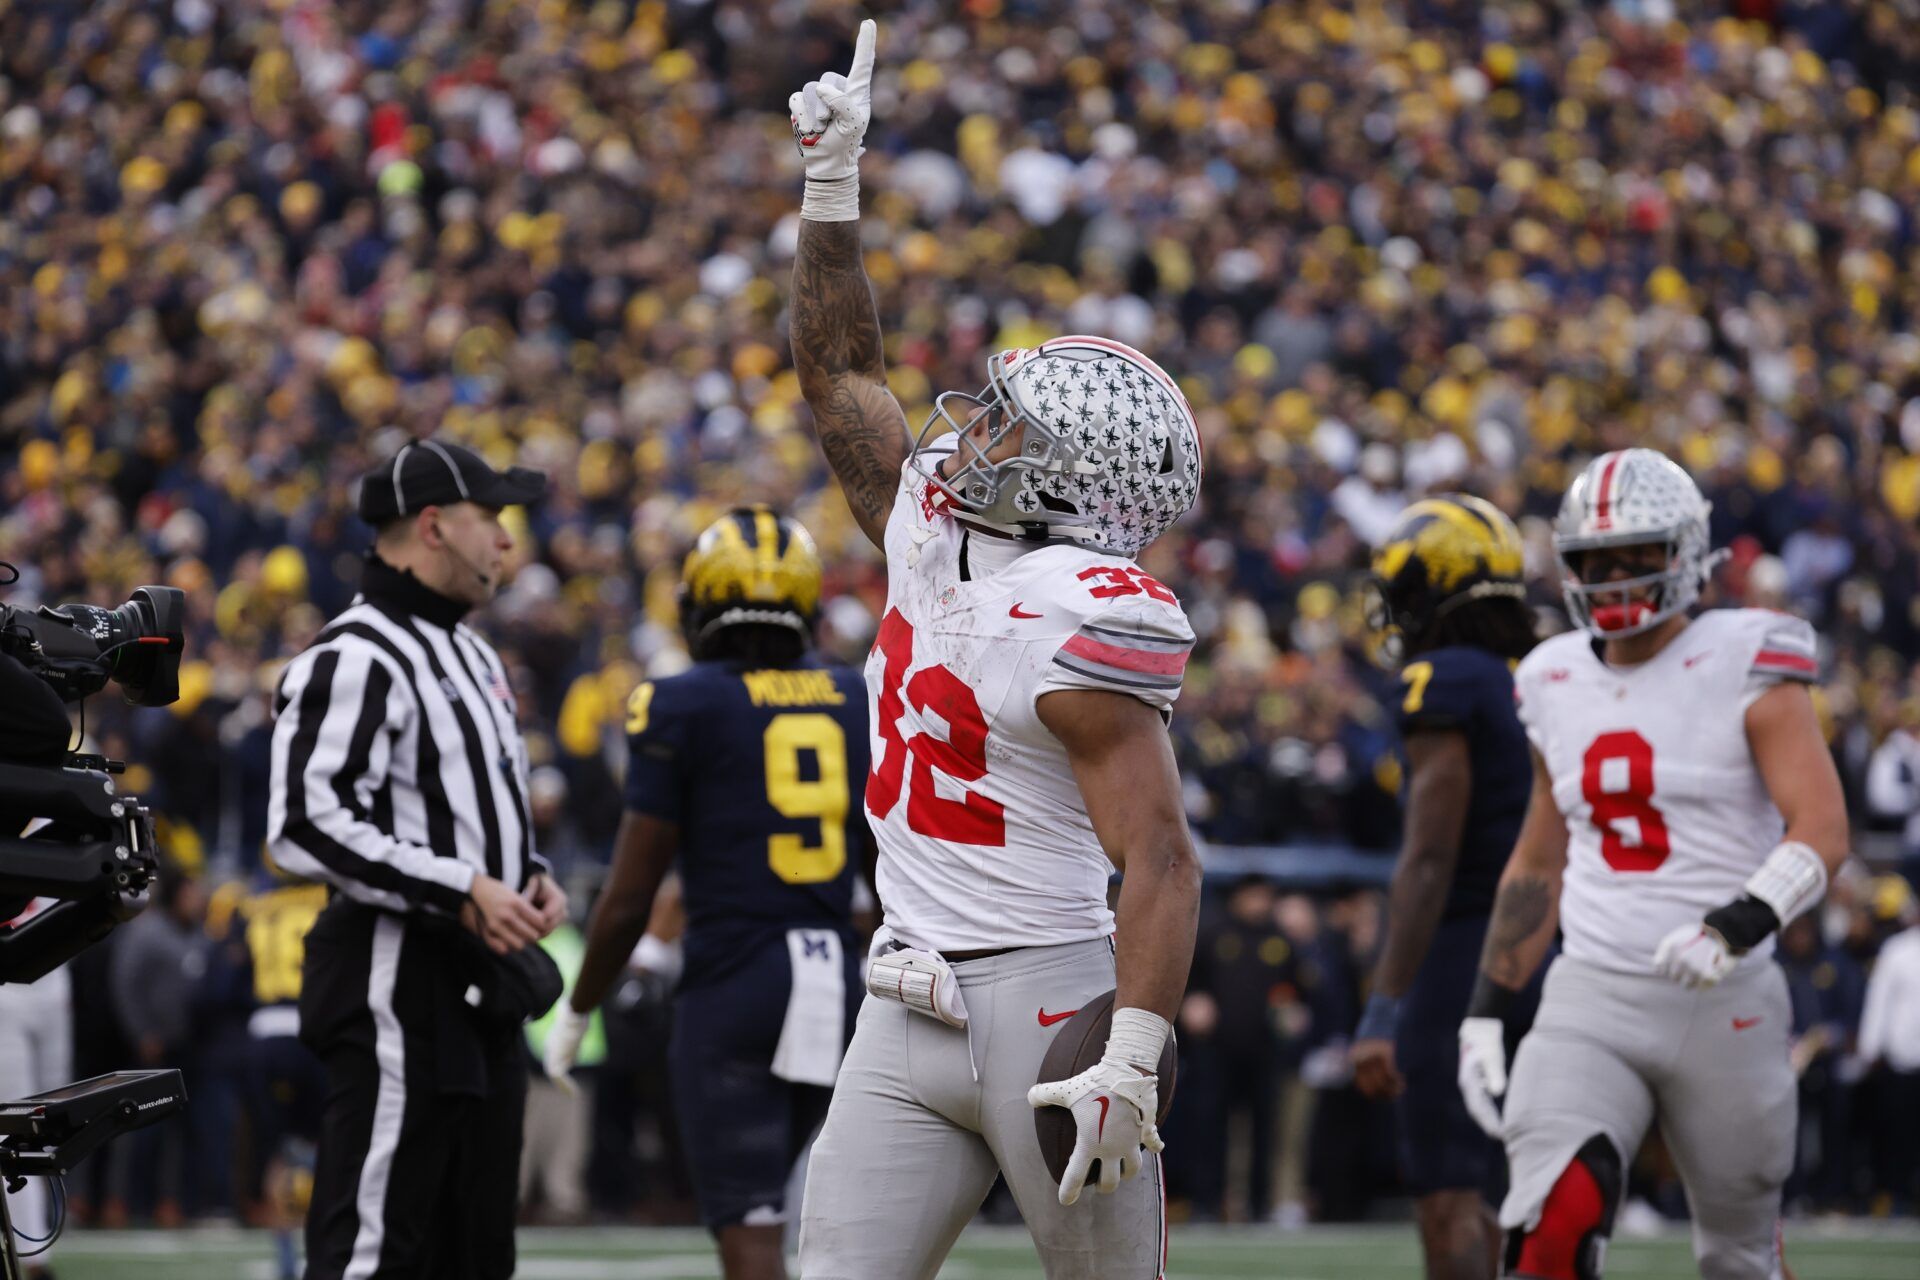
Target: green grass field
1852,1251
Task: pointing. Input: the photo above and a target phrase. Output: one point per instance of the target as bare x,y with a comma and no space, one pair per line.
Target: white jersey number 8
1617,781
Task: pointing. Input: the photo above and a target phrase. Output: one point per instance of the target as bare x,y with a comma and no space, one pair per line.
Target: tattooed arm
836,350
1525,912
1527,909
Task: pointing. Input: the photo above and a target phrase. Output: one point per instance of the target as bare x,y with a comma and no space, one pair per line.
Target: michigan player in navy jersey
285,1082
1451,602
744,770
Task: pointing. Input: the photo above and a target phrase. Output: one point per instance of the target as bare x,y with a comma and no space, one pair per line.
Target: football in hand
1078,1045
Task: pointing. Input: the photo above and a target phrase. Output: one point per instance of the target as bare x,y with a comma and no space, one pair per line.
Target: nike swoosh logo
1015,612
1695,658
1101,1132
1741,1024
1048,1019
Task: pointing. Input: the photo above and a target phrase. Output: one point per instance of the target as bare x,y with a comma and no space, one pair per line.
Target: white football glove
563,1045
1113,1109
1483,1071
829,117
1693,956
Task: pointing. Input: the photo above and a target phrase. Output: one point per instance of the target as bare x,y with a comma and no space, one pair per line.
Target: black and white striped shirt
398,769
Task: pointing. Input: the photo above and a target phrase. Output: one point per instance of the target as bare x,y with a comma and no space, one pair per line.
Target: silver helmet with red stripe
1632,500
1079,439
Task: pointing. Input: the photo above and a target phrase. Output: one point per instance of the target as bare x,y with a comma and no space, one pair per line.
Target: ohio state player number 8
962,755
1622,793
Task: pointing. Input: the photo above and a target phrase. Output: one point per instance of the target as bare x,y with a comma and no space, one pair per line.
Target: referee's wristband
1491,1000
1381,1018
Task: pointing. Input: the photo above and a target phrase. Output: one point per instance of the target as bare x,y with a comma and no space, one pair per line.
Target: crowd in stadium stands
1390,247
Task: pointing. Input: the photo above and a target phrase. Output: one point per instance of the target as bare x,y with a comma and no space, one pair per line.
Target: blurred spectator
1890,1039
158,960
1348,1142
1244,975
1827,990
1893,785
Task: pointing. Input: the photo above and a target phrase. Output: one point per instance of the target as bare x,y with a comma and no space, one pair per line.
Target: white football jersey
1666,811
983,835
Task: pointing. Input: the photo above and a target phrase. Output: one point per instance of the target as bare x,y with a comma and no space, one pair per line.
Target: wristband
1137,1037
831,199
1789,882
1491,1000
1742,923
1381,1019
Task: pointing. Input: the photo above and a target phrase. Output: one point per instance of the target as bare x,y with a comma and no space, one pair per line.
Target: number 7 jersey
1667,814
983,834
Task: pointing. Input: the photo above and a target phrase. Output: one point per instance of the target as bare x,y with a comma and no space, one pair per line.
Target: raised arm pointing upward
834,327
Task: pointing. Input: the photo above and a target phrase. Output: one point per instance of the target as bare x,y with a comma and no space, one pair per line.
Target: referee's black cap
436,473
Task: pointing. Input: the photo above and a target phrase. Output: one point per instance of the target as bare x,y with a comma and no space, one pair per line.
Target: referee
400,779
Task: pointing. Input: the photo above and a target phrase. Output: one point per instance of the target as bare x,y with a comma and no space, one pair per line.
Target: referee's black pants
417,1170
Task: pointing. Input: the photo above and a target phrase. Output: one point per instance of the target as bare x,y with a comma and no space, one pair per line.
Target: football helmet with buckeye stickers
1108,453
1627,498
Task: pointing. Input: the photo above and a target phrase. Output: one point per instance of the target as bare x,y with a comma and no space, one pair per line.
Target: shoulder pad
1783,646
1131,632
656,704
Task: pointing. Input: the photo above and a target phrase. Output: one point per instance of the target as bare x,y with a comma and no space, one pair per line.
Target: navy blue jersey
763,771
1467,690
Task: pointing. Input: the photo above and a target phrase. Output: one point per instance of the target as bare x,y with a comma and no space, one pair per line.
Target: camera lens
148,628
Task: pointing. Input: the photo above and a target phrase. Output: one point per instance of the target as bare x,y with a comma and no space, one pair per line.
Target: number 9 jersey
761,770
983,835
1666,812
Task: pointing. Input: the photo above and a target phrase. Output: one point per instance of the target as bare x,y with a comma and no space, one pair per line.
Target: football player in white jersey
1020,688
1684,808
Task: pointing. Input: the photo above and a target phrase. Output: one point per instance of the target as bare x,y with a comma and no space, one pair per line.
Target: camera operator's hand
549,899
503,919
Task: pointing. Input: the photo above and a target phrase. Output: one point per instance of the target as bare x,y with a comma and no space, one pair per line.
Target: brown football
1076,1046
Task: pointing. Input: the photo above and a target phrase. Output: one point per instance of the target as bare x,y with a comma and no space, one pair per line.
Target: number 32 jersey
1666,812
983,835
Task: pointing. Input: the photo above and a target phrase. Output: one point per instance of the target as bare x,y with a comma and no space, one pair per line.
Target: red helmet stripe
1602,516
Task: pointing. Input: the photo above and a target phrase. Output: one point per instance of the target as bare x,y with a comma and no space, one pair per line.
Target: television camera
70,841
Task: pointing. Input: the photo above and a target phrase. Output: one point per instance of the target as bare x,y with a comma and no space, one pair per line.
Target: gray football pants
1611,1052
912,1140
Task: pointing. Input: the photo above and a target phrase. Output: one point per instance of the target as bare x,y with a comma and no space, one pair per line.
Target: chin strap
1037,531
